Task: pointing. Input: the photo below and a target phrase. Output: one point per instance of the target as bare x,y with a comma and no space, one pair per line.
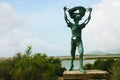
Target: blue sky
40,23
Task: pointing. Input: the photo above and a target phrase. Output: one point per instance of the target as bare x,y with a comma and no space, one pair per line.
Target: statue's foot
82,70
71,68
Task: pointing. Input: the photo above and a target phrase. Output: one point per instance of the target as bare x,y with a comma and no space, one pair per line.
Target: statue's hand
89,9
65,8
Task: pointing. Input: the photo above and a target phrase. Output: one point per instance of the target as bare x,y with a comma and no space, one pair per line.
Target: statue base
90,74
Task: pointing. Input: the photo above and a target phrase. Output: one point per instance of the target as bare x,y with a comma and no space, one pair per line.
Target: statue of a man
76,13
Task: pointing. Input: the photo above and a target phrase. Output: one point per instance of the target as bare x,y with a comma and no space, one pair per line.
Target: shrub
88,66
103,64
30,67
115,70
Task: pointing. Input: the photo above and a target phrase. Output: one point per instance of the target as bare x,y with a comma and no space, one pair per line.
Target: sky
40,24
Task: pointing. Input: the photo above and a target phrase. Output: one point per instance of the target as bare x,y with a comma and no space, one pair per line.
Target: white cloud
9,19
103,31
13,39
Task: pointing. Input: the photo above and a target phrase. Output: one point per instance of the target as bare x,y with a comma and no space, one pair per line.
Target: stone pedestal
90,74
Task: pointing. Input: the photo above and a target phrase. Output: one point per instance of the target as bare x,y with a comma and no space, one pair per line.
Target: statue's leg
81,50
73,48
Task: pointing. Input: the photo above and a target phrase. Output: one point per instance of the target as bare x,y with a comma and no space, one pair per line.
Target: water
66,63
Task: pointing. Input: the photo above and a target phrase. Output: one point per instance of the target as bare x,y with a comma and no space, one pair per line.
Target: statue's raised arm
66,18
89,17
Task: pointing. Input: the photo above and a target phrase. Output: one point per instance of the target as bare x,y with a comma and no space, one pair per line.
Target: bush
103,64
110,65
88,66
30,67
5,68
58,69
115,70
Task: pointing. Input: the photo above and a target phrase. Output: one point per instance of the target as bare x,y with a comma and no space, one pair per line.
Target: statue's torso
76,30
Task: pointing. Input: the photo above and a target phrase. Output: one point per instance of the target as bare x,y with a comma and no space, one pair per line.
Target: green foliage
110,65
28,50
103,64
58,69
88,66
5,68
30,67
115,70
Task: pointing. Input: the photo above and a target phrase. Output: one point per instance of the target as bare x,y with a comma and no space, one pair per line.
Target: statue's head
77,12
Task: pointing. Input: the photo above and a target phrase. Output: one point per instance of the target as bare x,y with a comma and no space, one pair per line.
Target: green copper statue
76,13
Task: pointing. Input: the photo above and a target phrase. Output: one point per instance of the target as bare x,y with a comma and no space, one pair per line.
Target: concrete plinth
90,74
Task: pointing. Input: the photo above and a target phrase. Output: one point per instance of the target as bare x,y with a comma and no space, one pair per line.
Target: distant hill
99,53
96,53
